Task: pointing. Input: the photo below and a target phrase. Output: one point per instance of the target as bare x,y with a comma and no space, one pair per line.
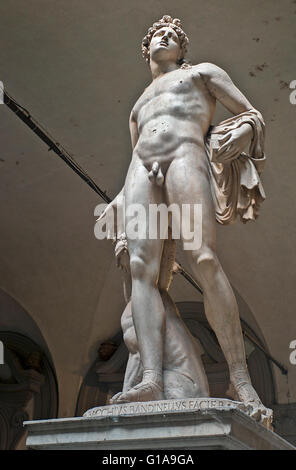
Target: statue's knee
141,270
207,263
137,265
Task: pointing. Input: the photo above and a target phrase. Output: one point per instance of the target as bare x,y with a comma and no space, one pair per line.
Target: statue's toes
267,422
266,418
255,412
261,414
141,392
116,398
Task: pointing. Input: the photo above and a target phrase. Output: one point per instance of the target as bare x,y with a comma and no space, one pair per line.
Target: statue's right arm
117,202
134,139
133,129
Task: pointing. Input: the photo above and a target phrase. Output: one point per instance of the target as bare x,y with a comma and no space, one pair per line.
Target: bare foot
144,391
247,394
149,389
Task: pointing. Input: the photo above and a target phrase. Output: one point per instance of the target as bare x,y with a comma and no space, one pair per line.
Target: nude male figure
168,125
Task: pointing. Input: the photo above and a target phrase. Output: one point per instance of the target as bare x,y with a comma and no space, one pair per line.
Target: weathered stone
171,424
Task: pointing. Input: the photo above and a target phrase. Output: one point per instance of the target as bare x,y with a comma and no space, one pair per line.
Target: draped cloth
236,186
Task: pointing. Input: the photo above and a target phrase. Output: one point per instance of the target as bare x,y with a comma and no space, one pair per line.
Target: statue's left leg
220,304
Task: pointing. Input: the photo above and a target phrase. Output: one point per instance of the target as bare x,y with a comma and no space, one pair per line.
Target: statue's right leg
147,307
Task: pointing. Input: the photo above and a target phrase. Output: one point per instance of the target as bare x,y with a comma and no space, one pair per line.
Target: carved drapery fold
236,187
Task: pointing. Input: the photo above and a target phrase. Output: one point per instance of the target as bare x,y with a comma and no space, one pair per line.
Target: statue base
196,423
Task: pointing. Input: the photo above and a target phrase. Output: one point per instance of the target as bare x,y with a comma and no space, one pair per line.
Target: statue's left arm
235,174
223,89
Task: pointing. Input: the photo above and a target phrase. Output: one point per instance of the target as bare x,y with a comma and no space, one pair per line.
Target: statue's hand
113,217
234,143
121,253
109,215
123,261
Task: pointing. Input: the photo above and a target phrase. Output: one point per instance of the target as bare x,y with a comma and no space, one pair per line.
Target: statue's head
165,40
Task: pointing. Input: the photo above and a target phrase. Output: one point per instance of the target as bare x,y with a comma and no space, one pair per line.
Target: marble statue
179,158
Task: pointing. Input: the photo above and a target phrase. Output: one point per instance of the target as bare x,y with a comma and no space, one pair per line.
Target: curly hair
165,21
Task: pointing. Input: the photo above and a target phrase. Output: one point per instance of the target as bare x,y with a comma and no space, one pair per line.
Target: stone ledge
168,424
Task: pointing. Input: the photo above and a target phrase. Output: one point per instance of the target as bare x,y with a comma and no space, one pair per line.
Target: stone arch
28,384
13,317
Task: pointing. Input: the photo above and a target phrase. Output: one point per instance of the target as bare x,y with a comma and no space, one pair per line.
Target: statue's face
165,45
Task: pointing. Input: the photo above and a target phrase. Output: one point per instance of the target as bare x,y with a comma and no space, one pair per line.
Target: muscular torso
174,113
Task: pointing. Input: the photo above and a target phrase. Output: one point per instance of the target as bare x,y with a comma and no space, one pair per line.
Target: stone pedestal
204,423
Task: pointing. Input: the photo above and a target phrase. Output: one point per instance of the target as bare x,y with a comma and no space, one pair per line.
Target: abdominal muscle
165,139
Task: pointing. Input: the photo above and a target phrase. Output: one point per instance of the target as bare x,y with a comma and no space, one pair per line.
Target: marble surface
209,423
